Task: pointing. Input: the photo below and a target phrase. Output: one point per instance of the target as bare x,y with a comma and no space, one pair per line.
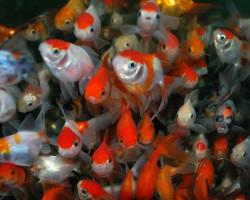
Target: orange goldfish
204,181
164,187
103,161
11,177
127,188
221,147
89,189
67,15
148,175
179,7
126,132
146,130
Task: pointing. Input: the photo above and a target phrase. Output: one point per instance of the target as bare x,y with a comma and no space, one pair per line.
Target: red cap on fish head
201,146
133,55
228,34
55,43
150,7
67,138
85,20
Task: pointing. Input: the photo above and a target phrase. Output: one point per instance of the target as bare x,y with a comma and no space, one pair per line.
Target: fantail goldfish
67,15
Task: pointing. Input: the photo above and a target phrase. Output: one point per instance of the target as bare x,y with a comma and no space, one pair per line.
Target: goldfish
34,94
12,177
221,147
39,28
184,189
89,189
141,74
179,7
8,106
150,23
181,69
186,116
200,147
117,19
164,187
53,169
88,25
67,15
103,160
23,147
148,175
57,192
126,132
69,63
126,42
146,130
239,156
205,180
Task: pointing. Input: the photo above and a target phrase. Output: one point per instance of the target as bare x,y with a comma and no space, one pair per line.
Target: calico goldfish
88,25
69,63
67,15
89,189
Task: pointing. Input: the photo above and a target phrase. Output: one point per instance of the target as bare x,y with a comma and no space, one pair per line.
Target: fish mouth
222,128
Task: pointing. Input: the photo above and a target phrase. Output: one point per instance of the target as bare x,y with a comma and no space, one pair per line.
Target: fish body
68,63
127,187
22,148
58,192
67,15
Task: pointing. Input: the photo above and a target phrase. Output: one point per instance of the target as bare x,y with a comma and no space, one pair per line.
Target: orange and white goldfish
221,147
67,15
89,189
126,132
146,130
150,23
69,63
23,148
142,75
179,7
11,177
88,25
204,180
200,147
8,106
186,116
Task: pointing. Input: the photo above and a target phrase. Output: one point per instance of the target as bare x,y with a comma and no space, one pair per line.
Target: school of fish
126,100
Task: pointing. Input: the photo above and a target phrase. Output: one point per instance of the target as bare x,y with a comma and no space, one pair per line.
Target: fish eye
30,104
245,153
164,46
121,141
222,37
55,51
76,143
84,191
33,31
91,29
103,93
109,160
12,172
127,44
67,22
192,115
131,64
158,16
139,13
